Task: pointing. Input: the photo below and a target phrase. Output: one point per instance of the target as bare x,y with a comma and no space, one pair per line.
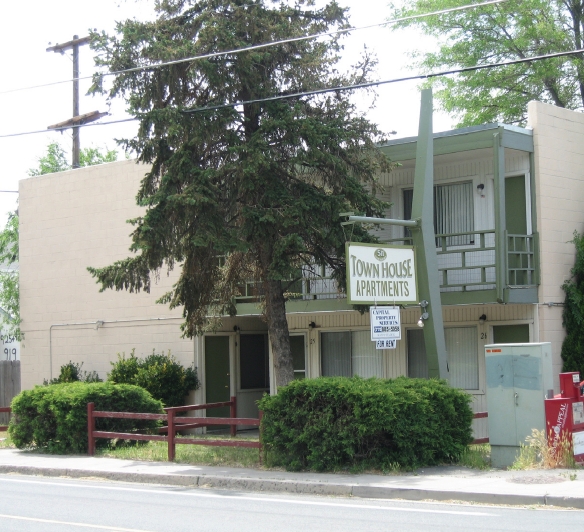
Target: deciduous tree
515,29
240,192
9,285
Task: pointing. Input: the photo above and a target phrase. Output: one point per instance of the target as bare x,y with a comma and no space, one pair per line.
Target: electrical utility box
518,377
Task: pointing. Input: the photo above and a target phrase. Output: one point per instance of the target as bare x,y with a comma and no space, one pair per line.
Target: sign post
366,287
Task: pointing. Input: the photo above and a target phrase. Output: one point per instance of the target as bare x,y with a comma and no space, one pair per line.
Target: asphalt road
39,504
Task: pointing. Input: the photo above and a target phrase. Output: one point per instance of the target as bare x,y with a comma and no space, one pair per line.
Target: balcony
467,265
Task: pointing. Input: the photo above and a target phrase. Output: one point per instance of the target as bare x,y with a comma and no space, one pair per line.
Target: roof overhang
464,139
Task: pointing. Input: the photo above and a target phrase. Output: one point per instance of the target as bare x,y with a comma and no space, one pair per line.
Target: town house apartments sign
379,273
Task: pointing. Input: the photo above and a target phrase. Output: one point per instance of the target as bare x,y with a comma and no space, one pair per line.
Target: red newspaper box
564,415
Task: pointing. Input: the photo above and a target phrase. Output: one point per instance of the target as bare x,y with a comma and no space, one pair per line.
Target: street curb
299,487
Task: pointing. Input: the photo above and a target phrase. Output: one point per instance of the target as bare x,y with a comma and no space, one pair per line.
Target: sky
27,29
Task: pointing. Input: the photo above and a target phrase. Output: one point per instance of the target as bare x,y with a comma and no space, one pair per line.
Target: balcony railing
466,263
315,283
521,260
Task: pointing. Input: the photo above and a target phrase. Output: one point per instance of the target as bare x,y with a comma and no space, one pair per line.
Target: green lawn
476,456
156,451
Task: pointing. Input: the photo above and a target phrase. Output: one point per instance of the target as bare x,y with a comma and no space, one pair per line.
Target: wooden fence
5,410
174,424
9,387
479,415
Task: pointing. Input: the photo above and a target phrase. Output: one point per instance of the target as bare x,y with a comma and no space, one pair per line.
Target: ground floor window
462,348
348,353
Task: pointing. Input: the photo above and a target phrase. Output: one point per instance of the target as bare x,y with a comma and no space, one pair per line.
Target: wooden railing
479,415
7,409
174,424
521,260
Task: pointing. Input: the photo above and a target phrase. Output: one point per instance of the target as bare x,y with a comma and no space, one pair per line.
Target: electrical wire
386,82
260,46
329,89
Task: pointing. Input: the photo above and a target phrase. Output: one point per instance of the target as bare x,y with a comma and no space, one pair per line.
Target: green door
511,334
515,205
217,374
516,221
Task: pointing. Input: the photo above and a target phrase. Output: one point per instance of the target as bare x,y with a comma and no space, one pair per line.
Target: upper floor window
453,212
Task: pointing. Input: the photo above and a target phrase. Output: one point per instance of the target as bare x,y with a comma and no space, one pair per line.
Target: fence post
171,444
233,414
90,429
261,415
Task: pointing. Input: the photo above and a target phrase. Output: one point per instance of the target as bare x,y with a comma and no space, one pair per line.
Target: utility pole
78,120
75,154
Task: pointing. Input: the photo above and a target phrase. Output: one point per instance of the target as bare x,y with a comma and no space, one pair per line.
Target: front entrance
254,373
217,374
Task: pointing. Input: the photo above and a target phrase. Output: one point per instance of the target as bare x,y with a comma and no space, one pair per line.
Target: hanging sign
385,323
385,344
379,273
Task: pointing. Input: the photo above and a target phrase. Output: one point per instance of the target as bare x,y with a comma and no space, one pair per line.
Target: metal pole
75,152
382,221
500,222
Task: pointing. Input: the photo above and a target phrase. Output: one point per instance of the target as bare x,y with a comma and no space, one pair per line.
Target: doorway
217,384
516,224
254,373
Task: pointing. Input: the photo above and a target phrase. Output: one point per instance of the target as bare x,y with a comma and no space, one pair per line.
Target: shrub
573,312
335,422
159,374
55,417
539,452
71,372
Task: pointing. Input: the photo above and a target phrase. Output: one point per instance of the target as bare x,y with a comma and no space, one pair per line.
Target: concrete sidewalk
563,488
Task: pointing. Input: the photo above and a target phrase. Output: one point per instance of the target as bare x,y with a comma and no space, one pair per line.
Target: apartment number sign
381,274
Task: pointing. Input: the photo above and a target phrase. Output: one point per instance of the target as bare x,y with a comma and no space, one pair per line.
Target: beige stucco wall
75,219
559,176
69,221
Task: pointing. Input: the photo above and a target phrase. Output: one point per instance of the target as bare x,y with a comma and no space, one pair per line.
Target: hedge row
332,423
158,373
55,417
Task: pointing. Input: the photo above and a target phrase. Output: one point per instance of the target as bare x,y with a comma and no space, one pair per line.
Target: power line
332,89
261,46
60,129
384,82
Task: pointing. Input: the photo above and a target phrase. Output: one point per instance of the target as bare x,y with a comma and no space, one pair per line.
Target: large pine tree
245,192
